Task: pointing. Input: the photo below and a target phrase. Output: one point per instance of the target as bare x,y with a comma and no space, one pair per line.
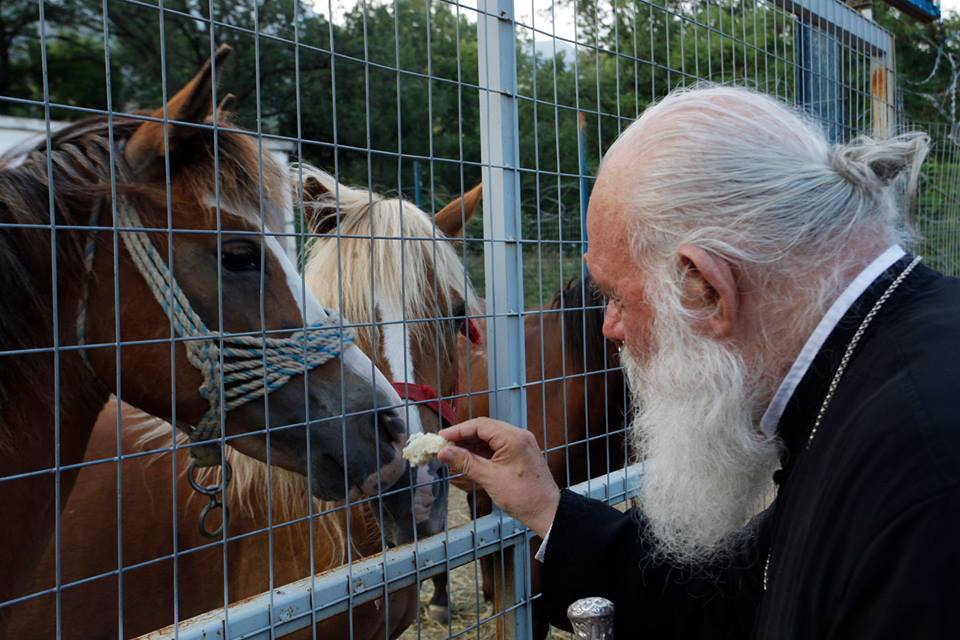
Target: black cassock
863,538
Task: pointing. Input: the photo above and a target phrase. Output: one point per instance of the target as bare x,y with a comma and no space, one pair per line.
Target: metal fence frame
294,606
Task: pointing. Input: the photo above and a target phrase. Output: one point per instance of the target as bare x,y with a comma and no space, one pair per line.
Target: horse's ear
319,218
193,103
453,218
313,189
226,105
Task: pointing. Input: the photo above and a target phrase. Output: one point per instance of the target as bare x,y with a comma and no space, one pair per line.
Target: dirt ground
472,617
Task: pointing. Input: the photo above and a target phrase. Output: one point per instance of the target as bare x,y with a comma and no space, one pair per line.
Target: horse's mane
79,159
411,263
582,308
81,156
248,489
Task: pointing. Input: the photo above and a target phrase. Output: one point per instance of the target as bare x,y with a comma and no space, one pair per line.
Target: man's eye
240,255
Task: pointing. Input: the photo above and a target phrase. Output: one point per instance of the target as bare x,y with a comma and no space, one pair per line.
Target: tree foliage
387,90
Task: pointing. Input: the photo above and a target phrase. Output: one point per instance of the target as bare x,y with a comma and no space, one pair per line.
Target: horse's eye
458,317
240,255
465,325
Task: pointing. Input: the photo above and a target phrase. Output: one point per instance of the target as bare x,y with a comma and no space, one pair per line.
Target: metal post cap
591,618
590,608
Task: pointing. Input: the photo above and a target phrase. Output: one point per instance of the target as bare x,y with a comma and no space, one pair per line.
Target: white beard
708,469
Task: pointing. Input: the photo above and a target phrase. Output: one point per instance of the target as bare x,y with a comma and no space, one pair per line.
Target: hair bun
872,165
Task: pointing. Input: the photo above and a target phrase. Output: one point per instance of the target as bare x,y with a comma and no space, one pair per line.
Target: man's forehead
605,225
607,219
598,260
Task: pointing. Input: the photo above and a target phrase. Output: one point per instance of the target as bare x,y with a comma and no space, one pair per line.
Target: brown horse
90,310
276,532
575,408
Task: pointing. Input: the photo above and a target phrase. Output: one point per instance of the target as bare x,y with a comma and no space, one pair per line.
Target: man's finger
462,461
492,432
466,430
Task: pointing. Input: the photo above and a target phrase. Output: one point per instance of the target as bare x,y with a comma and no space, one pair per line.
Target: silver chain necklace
843,367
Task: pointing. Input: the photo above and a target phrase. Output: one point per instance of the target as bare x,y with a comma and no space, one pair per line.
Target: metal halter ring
214,494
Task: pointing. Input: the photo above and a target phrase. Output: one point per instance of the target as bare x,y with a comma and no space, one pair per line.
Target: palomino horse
275,535
575,408
90,308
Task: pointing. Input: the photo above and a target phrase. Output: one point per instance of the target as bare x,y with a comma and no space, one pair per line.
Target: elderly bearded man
776,337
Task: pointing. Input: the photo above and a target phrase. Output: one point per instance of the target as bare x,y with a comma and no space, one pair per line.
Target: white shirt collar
771,418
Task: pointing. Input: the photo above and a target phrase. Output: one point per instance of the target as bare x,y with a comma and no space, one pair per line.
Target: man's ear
710,289
453,218
193,103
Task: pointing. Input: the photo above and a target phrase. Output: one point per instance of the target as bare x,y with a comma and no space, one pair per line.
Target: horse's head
405,287
215,324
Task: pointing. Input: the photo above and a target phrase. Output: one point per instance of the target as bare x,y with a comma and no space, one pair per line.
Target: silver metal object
591,618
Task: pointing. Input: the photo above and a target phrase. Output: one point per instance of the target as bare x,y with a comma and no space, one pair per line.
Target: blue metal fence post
417,185
818,80
584,190
503,252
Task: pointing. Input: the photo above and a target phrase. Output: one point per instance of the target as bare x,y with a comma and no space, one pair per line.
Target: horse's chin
430,499
416,506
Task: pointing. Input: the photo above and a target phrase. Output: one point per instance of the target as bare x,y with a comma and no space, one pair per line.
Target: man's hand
507,463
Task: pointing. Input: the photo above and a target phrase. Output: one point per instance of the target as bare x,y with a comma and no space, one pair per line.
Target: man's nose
612,326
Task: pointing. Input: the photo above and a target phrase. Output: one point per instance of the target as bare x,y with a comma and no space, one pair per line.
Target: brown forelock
240,168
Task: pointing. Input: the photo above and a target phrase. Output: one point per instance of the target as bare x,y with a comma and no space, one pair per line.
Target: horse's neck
52,413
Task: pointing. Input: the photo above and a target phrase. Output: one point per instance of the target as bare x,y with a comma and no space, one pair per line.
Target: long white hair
750,179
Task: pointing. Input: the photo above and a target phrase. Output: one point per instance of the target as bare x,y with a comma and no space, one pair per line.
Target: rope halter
235,368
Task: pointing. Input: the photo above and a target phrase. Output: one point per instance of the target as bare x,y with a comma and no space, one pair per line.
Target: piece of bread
422,447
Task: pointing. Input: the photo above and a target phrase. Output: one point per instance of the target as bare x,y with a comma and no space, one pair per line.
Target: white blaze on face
396,347
288,241
311,311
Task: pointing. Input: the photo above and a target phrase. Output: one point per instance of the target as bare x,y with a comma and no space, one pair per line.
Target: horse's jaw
417,502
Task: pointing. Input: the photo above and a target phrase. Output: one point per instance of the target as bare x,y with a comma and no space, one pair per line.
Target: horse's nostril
391,425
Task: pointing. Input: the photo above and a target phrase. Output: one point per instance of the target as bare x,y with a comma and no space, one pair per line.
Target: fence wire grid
309,174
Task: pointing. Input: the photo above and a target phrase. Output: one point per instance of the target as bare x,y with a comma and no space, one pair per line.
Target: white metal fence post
503,252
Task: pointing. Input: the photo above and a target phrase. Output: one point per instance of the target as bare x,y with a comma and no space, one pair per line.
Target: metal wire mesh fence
316,276
936,220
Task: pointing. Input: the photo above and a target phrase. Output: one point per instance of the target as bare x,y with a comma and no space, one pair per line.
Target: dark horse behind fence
133,261
575,408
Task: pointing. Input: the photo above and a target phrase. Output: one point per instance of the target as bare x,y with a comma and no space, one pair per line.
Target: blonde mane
248,488
387,252
413,266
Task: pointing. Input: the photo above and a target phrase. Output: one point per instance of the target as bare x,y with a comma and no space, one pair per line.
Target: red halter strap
428,397
472,332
